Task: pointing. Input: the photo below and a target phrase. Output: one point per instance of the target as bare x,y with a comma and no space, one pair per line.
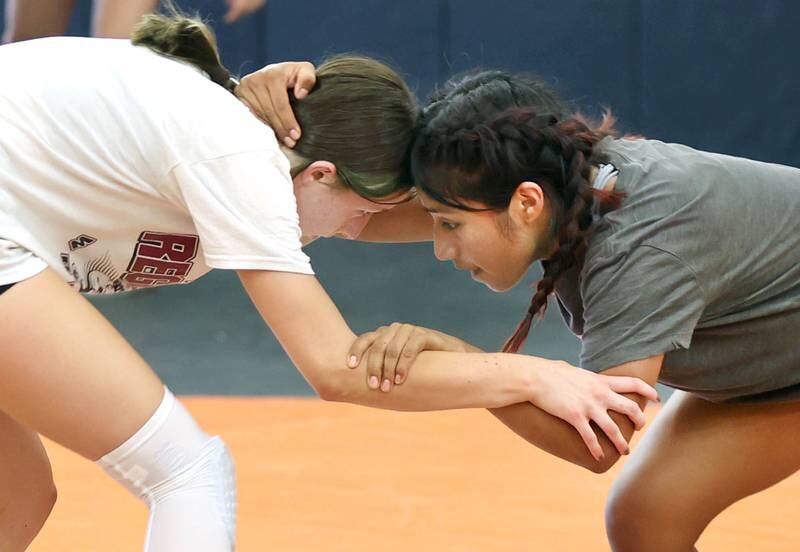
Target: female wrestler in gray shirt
671,264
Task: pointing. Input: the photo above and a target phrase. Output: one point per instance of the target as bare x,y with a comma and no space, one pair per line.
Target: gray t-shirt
701,262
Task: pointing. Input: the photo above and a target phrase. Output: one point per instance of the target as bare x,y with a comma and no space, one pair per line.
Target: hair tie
222,77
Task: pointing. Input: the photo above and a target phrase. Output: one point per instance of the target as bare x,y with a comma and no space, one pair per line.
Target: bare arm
559,438
316,337
558,422
408,222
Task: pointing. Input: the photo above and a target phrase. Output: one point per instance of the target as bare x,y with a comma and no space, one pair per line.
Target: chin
497,287
500,287
497,283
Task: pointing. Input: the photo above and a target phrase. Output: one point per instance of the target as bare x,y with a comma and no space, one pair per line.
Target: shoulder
214,123
642,163
667,189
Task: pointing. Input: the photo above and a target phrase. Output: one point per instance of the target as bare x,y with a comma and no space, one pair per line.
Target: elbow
332,381
328,390
329,385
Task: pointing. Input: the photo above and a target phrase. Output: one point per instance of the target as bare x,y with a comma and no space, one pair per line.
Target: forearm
443,381
503,383
440,380
408,222
557,437
317,339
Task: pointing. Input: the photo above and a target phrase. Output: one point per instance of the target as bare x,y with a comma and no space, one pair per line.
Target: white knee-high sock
185,477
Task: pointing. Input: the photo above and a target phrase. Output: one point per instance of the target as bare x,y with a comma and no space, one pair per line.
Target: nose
443,249
354,226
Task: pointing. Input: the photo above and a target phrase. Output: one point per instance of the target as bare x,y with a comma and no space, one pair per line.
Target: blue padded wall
717,74
589,49
401,33
723,75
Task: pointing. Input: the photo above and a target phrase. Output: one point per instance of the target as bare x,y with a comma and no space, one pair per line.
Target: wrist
523,382
534,383
537,376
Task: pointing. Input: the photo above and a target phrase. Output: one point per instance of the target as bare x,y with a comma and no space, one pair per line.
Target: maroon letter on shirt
161,259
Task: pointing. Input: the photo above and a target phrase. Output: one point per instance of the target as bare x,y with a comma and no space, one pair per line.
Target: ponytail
185,38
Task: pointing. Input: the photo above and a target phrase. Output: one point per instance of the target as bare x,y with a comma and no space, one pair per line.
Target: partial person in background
27,19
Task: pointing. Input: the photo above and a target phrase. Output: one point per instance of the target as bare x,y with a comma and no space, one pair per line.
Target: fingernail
386,386
352,362
294,134
302,93
398,378
373,382
288,142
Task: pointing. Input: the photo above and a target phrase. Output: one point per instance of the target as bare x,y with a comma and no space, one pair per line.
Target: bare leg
697,459
117,18
26,19
27,491
66,372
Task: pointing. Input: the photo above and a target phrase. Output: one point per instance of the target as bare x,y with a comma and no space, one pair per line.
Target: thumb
305,80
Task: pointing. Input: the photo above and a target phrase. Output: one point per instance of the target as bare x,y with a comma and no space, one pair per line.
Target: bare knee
22,517
28,491
631,517
642,516
44,505
41,509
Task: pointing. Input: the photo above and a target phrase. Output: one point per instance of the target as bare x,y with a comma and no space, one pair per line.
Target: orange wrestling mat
324,477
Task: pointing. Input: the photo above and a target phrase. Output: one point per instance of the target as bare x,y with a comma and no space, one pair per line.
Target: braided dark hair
479,141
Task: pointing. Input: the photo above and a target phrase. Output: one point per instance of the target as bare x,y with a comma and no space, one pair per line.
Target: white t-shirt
124,169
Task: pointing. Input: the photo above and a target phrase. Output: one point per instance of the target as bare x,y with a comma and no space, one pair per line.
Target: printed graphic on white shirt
161,259
157,259
81,241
